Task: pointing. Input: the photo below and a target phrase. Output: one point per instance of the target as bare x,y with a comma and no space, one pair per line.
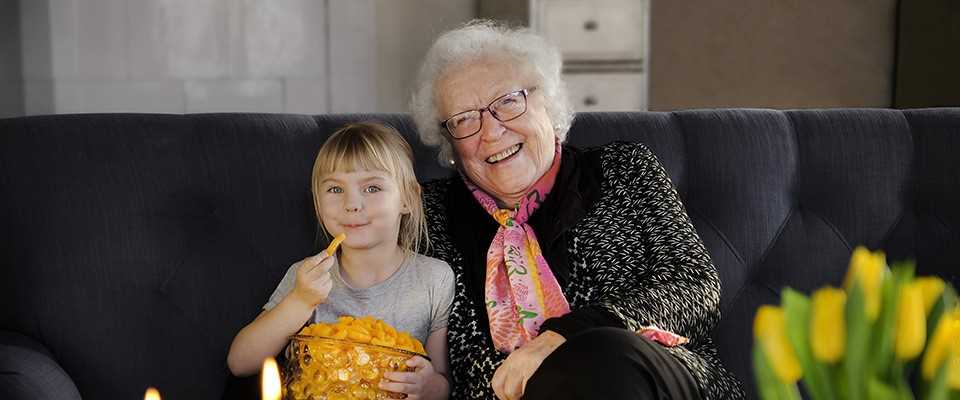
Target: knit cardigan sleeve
637,255
666,277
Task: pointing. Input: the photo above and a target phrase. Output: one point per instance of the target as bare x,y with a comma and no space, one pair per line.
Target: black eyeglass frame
524,92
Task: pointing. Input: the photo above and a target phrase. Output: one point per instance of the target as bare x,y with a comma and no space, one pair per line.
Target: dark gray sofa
133,247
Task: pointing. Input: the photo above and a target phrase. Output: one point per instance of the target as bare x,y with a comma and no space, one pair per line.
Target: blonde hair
375,147
480,40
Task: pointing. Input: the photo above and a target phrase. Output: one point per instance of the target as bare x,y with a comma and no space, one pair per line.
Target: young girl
363,186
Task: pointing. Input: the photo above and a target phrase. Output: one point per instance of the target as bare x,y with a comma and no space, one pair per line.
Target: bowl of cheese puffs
346,360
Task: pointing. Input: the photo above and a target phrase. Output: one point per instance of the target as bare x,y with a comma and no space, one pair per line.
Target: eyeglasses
504,108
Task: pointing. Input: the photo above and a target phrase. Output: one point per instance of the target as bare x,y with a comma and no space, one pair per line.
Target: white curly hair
486,39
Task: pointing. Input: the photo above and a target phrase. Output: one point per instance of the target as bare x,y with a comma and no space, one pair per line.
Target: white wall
298,56
405,29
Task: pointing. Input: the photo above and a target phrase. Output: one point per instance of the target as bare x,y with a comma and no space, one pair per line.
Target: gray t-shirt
415,299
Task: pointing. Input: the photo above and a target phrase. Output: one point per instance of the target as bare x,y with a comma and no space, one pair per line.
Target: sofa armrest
28,371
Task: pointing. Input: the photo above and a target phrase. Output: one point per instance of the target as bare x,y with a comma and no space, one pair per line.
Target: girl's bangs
348,155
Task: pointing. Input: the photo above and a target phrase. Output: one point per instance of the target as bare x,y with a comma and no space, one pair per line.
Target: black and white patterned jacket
615,233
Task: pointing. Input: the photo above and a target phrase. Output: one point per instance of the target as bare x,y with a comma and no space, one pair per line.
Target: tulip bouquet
883,331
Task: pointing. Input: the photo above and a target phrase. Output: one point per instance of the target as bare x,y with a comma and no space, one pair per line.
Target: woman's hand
422,384
313,280
510,379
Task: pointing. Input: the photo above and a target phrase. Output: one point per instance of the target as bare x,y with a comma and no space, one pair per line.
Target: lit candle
151,394
270,380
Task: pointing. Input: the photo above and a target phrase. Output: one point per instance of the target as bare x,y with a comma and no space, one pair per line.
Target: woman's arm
510,379
665,276
644,261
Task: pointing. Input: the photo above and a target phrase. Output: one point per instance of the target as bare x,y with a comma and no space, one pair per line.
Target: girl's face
365,205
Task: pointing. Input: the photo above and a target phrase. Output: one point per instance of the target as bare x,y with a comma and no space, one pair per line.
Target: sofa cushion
29,372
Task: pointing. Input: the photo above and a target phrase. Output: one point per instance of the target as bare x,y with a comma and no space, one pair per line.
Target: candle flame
151,394
270,380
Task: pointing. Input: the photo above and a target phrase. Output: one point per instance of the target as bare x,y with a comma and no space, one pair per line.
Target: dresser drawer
607,91
595,30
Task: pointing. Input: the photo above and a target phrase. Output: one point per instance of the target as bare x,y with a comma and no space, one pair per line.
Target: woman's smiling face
504,159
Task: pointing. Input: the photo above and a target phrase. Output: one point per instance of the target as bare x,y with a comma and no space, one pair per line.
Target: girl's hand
421,384
313,280
510,379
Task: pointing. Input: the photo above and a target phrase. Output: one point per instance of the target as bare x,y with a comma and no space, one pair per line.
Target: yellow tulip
867,268
911,331
941,344
828,329
769,328
953,374
931,287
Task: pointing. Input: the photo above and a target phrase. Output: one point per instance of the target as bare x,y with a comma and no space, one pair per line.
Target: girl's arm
270,331
437,351
266,335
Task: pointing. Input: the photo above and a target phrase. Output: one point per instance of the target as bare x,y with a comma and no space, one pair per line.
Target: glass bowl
319,368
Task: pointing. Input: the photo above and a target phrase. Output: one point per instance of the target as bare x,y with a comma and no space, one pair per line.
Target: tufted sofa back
133,247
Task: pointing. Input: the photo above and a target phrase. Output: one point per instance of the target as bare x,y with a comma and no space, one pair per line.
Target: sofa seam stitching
694,210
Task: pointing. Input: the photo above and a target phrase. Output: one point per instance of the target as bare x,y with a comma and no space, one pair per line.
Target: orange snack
366,330
332,248
346,359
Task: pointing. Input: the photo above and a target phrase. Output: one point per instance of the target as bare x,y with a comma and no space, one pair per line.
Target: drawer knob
590,25
589,101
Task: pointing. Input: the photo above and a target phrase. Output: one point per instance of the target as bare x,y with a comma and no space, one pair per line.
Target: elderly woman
561,256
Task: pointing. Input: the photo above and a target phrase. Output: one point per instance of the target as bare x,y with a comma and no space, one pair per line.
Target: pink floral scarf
520,290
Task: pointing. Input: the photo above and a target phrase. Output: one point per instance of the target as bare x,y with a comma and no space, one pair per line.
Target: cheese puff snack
334,244
367,330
